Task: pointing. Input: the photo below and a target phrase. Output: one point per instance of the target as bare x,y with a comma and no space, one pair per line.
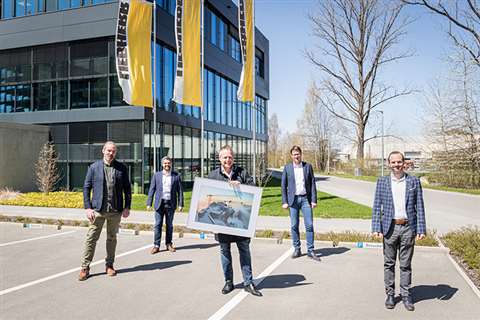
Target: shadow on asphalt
155,266
430,292
281,281
325,252
198,246
321,179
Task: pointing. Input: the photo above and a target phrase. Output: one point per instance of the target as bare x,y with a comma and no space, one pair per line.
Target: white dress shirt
399,187
167,185
299,180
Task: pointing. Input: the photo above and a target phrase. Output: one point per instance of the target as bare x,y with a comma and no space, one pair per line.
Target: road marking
57,275
37,238
223,311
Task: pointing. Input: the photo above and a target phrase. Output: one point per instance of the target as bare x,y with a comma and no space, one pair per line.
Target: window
235,49
42,96
116,95
259,63
211,101
168,78
98,93
89,57
60,95
7,9
22,99
19,8
51,5
79,94
217,99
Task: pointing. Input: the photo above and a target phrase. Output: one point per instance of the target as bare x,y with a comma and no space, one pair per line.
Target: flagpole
202,109
254,116
154,109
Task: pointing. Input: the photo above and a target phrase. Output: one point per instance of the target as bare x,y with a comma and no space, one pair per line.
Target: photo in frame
219,207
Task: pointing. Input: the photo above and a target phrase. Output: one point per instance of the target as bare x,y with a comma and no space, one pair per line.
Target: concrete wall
19,148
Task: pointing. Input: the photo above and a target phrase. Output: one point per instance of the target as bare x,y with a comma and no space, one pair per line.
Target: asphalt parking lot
39,268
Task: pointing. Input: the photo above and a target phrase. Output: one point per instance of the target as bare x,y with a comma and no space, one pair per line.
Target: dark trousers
166,210
245,260
400,239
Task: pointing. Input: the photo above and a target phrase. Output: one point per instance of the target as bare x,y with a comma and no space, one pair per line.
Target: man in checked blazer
299,192
167,187
398,217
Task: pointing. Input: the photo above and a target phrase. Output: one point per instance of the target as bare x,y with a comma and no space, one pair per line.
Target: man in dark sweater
235,176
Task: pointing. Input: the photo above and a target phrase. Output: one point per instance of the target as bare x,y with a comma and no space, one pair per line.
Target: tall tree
46,168
274,133
316,126
356,39
463,19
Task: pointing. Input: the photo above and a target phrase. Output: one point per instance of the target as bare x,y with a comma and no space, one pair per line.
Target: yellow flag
133,52
246,31
187,88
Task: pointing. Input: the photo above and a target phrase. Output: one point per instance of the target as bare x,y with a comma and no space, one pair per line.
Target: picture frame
219,207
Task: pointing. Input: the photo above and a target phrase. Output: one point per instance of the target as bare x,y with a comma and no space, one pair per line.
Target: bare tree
452,114
46,168
356,39
274,134
463,19
316,126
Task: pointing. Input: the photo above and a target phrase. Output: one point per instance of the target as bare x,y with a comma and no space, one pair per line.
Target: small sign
128,231
369,245
32,225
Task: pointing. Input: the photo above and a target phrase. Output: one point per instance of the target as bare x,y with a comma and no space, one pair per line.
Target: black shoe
313,256
228,287
297,253
390,301
252,290
408,303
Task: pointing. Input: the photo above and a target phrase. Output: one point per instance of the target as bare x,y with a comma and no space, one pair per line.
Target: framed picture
219,207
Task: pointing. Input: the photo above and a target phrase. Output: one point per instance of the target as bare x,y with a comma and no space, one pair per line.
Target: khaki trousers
113,222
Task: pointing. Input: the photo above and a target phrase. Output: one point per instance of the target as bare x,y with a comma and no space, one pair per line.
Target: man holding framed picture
234,175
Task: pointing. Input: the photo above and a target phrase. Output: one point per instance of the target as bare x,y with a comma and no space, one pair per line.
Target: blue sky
285,24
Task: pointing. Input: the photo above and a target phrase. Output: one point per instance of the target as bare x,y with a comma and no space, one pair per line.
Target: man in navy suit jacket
109,180
299,192
398,217
168,190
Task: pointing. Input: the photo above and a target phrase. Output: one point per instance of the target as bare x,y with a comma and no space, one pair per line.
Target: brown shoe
84,274
171,248
155,250
111,272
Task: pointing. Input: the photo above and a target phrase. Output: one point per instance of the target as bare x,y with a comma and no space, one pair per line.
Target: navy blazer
95,180
288,183
156,186
383,209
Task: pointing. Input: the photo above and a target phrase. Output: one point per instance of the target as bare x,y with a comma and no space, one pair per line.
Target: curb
460,269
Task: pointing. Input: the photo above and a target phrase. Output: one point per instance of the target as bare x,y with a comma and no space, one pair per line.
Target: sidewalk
263,222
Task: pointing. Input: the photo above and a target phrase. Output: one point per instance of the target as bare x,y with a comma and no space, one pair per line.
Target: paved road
347,284
445,211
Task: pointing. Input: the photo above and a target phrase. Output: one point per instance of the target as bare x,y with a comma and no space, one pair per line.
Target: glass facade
81,75
21,8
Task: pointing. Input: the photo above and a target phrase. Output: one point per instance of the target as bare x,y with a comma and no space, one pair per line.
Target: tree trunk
360,148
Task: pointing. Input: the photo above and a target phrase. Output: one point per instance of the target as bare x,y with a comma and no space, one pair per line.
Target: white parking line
223,311
57,275
37,238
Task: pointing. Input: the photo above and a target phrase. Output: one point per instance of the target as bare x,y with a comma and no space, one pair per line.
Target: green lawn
328,207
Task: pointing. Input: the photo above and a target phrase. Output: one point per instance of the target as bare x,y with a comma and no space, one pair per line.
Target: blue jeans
245,260
166,211
301,203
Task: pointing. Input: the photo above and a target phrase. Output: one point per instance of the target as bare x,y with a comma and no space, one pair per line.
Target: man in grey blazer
109,180
299,193
398,216
168,190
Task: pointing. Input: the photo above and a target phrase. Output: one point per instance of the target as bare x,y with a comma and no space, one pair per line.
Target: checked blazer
383,209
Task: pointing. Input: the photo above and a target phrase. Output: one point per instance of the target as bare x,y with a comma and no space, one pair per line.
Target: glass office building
57,68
